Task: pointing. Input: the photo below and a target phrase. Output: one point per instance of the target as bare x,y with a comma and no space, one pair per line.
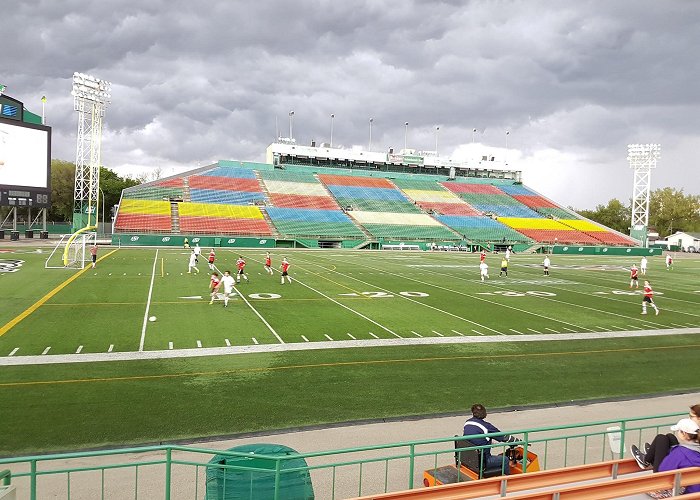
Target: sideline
336,344
148,304
12,323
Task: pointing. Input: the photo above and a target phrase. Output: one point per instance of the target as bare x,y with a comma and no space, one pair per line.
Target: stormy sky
573,82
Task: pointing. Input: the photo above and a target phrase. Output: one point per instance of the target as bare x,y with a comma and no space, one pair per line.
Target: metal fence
180,472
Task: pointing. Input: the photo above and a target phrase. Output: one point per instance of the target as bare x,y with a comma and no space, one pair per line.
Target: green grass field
358,335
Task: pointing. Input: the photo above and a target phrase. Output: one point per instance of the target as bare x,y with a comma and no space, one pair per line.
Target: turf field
419,332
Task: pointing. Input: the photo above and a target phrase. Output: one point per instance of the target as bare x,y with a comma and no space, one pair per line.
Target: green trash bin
252,478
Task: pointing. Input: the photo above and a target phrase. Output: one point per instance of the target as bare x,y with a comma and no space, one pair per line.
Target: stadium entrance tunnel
250,472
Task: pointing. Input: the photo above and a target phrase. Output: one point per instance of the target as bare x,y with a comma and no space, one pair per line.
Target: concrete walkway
190,483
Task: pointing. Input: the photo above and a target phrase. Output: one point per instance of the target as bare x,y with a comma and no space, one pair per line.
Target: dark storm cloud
194,81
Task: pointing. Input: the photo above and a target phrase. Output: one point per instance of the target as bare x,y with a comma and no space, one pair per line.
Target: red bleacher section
552,235
175,182
215,225
303,201
535,201
144,222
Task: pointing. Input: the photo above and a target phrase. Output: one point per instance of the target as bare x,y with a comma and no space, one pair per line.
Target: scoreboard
25,164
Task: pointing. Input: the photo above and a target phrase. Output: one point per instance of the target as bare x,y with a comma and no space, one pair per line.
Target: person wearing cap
478,425
686,454
661,445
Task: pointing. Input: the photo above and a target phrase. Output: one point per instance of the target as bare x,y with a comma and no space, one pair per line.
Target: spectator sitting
661,445
478,425
686,454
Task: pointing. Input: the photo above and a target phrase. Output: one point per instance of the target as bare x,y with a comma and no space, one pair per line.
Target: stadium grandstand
310,196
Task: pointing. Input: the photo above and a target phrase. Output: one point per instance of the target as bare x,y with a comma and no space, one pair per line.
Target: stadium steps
174,217
267,218
186,195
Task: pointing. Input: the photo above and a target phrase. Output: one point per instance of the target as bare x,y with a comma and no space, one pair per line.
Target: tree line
670,210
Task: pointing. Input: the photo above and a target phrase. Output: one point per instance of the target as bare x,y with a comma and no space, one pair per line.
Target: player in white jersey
643,266
193,263
197,252
484,268
545,265
228,281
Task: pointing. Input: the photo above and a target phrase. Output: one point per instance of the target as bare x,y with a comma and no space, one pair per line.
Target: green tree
614,215
62,186
671,210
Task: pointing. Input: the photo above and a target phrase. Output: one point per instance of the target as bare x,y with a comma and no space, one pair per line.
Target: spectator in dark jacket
478,425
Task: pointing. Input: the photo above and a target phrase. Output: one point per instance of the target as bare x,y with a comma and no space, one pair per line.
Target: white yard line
351,336
80,348
12,353
342,344
477,332
228,342
304,338
327,336
46,351
148,304
515,331
416,334
170,345
534,331
438,333
111,348
269,327
373,335
199,343
255,341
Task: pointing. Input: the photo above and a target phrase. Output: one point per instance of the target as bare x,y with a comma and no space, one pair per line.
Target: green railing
179,472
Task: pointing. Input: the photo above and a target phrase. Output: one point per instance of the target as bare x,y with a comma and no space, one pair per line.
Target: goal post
74,250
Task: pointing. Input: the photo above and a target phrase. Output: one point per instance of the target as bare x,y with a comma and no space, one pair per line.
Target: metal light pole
405,136
506,154
370,134
473,133
291,120
437,132
332,118
43,109
102,195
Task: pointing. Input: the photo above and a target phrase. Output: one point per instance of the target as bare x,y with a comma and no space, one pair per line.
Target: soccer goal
77,253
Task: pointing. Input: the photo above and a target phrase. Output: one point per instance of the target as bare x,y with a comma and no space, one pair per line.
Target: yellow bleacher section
527,223
147,207
218,210
582,225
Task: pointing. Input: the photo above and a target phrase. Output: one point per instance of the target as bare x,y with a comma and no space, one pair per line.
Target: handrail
613,488
6,476
501,485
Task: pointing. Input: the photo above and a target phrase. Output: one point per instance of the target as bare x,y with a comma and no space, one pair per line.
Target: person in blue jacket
686,454
478,425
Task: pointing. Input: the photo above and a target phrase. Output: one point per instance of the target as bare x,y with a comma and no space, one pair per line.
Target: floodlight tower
642,158
90,99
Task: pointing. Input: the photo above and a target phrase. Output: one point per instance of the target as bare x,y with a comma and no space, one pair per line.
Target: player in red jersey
240,264
212,258
285,268
634,277
648,298
268,264
482,256
214,284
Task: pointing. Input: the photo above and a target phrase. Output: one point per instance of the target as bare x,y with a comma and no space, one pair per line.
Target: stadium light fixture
642,158
291,120
405,136
43,110
437,132
370,134
473,134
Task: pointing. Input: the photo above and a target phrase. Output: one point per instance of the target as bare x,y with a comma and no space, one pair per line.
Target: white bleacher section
393,218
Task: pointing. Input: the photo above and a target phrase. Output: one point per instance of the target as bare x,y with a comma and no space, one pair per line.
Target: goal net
77,252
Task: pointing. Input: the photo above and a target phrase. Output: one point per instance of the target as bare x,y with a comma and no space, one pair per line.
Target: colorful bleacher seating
206,218
434,198
143,215
295,190
313,223
480,228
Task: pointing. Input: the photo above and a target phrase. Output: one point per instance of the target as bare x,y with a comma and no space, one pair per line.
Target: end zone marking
7,327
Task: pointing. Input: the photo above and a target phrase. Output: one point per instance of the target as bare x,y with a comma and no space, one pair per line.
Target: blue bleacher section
508,210
238,173
516,189
481,228
367,193
228,197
